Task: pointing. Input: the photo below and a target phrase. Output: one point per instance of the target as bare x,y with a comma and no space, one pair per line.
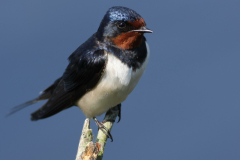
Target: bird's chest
116,84
118,79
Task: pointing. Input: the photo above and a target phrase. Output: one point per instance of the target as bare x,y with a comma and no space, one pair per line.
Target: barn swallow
102,72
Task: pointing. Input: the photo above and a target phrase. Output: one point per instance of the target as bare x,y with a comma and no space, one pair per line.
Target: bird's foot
117,108
103,128
119,112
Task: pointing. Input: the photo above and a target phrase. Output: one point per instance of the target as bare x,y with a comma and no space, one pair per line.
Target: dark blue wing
86,66
84,69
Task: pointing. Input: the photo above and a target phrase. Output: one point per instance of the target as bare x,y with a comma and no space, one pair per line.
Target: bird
102,72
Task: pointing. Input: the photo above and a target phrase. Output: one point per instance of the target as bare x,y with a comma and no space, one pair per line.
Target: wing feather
82,74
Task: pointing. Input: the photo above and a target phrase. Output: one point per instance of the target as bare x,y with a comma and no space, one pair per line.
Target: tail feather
21,106
46,94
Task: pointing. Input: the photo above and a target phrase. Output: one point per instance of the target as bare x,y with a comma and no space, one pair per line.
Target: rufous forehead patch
138,23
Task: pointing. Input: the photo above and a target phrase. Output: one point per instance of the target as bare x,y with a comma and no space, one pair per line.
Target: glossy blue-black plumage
108,28
119,13
86,60
86,65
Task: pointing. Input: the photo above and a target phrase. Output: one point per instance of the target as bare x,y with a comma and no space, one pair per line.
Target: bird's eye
121,25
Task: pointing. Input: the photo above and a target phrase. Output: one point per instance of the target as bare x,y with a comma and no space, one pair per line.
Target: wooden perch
87,150
91,151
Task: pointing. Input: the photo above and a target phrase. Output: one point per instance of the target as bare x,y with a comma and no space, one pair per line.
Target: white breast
116,84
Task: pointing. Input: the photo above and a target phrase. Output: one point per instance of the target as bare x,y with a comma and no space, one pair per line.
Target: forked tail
21,106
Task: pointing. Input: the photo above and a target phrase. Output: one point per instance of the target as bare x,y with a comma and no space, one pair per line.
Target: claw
103,128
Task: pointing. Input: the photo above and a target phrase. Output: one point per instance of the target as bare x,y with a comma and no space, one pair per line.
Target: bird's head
122,27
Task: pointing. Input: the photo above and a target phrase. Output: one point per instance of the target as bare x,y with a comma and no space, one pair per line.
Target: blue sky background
186,106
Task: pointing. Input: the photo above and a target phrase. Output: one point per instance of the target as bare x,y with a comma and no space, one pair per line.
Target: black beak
143,30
